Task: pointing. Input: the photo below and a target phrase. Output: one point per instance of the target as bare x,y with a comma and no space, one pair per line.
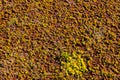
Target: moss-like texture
59,39
73,64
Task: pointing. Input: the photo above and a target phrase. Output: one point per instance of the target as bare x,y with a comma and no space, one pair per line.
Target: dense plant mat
59,40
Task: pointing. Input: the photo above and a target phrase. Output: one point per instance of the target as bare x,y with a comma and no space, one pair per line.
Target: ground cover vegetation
59,40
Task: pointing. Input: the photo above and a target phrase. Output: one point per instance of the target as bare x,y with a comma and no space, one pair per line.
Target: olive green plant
73,64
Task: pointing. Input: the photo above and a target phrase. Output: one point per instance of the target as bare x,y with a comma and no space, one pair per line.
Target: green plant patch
73,64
